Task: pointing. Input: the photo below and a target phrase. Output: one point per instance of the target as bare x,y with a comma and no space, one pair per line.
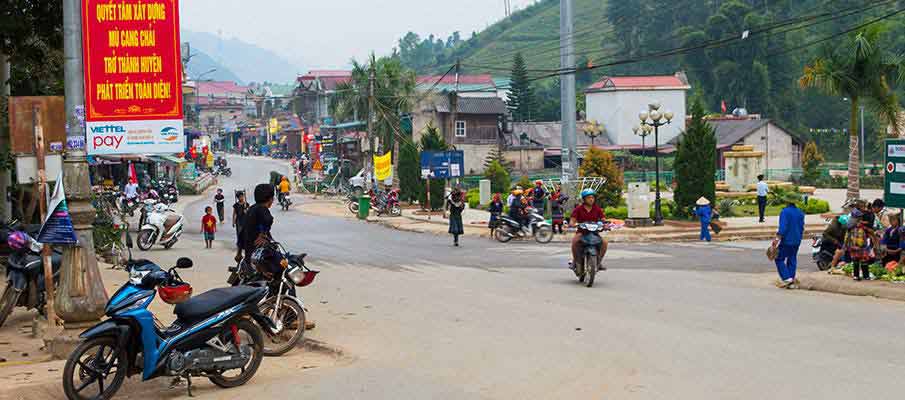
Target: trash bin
364,206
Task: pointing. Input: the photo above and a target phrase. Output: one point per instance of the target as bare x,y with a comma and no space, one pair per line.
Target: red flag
133,176
723,106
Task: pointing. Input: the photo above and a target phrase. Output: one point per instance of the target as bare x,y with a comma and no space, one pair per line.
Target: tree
695,164
600,163
433,141
859,69
410,184
811,158
522,103
498,177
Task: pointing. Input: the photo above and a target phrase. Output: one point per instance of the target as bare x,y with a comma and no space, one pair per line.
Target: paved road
346,241
489,321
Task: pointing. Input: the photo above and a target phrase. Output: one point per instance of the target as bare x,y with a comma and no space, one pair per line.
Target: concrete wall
779,151
617,111
524,160
475,155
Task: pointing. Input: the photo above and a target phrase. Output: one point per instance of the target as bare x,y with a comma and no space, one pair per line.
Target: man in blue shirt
791,229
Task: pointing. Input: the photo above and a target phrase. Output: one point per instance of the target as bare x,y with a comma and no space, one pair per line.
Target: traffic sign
317,165
894,193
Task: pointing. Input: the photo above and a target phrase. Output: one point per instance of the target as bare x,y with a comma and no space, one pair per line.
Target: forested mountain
200,63
702,37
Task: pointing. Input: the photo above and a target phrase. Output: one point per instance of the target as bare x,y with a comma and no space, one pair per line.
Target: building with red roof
315,91
615,101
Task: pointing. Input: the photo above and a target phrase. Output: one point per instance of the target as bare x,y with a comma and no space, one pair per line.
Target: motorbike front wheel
291,317
96,364
590,267
8,302
544,234
144,239
353,206
249,335
395,211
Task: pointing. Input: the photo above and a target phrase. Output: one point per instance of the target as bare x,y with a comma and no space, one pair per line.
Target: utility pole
370,159
5,176
81,296
453,109
567,82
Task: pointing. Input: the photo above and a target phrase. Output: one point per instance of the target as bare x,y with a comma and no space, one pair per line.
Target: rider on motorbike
285,187
587,211
516,208
258,221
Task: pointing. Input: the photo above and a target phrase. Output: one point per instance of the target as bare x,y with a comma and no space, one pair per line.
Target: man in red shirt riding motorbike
587,211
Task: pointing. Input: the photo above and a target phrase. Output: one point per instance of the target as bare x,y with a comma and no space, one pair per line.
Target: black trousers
861,268
761,206
220,212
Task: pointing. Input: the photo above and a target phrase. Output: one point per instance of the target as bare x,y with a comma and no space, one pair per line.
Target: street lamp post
643,131
655,118
592,129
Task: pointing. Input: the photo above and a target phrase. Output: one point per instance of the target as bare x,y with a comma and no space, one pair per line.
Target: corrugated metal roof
731,131
473,105
549,135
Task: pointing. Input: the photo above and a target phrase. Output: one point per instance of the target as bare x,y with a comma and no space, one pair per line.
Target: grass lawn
750,210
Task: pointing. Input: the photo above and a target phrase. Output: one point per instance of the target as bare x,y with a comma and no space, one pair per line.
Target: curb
881,290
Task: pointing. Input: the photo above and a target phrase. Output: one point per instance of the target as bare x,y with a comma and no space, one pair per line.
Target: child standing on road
495,209
220,200
858,246
208,226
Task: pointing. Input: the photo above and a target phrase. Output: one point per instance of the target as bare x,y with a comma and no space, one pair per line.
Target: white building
615,102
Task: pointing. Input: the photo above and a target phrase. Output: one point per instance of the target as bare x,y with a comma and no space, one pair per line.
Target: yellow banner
383,166
274,125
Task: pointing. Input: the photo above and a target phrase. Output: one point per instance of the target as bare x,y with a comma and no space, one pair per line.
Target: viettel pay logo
169,134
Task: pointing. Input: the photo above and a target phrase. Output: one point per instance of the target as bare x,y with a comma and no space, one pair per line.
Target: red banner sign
133,75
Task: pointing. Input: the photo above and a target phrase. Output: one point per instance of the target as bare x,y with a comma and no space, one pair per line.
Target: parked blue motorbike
213,335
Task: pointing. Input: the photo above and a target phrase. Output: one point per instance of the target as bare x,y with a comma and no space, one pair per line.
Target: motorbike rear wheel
544,234
590,267
144,239
8,301
292,318
353,206
503,234
94,369
248,331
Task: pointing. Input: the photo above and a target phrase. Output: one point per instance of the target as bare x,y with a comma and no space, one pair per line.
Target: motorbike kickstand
188,385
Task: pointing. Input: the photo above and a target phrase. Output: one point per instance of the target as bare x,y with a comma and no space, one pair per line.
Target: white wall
618,112
778,148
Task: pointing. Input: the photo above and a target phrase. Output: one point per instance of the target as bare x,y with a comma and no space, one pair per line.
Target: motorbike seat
213,301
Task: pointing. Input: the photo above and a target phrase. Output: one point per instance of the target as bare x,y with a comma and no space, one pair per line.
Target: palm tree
862,71
394,89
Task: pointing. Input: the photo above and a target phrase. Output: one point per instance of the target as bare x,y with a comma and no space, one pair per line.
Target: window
460,129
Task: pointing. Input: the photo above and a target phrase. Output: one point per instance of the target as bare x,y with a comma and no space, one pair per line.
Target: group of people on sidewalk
862,238
520,202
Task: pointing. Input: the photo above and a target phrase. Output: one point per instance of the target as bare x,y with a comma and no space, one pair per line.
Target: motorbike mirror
184,263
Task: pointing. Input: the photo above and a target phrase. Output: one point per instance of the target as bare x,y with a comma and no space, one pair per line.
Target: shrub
726,207
695,163
779,196
598,162
498,177
474,198
616,212
815,206
810,160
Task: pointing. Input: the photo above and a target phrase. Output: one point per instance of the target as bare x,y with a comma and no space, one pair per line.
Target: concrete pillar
484,185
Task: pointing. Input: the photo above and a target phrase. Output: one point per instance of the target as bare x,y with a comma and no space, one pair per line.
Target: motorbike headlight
136,277
296,274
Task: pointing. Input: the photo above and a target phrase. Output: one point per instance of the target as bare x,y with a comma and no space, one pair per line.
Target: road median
840,284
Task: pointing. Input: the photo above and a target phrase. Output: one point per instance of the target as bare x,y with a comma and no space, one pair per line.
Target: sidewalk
842,284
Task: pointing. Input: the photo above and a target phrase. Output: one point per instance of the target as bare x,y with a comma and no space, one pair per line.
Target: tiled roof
220,88
638,82
473,105
549,135
329,73
450,79
731,131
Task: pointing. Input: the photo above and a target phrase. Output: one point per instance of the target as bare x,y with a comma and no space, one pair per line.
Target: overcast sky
328,33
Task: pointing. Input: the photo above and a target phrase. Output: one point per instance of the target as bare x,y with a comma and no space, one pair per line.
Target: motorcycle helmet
175,293
588,192
18,240
517,192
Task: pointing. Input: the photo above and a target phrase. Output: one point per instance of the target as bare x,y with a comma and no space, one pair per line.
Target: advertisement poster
57,227
133,76
383,166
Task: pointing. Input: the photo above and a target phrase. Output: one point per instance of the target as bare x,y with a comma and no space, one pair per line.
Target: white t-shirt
131,190
762,189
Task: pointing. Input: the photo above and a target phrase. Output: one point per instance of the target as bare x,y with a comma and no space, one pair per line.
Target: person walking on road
240,208
762,190
495,209
704,213
455,204
208,226
788,239
220,201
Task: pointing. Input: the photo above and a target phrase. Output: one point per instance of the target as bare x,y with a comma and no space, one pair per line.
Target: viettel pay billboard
133,76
